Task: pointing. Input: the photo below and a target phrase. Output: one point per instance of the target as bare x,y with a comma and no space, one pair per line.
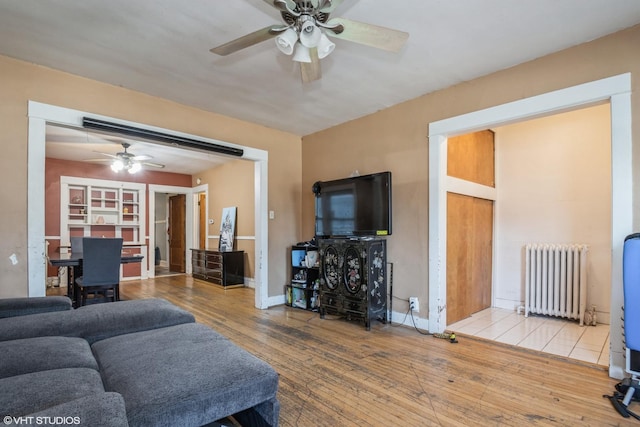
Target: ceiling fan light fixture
117,165
305,22
134,167
286,41
325,46
310,34
302,53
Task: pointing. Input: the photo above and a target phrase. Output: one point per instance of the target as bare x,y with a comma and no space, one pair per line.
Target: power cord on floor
413,320
451,336
403,320
444,335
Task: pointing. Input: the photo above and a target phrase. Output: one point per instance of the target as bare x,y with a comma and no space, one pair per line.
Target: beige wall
232,185
395,139
553,180
22,82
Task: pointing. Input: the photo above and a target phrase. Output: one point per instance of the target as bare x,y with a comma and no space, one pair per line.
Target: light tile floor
547,334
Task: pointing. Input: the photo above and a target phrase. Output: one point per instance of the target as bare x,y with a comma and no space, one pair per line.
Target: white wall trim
36,256
189,224
261,176
468,188
277,300
249,282
236,238
616,90
406,320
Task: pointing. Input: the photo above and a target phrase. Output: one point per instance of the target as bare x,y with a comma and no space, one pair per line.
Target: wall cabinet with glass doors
104,208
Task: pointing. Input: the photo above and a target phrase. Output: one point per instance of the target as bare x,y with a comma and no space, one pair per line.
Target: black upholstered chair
76,244
100,280
76,247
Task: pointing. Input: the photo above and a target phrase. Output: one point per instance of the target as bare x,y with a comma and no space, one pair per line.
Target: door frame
617,91
189,225
39,114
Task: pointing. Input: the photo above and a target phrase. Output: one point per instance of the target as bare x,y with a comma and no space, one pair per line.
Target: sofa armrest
97,322
11,307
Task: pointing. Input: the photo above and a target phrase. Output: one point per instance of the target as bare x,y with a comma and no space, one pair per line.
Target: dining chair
76,247
101,258
76,244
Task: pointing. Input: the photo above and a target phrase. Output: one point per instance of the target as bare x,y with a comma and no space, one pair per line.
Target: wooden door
202,209
469,260
177,240
469,226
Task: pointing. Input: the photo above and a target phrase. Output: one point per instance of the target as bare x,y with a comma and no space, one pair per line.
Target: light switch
272,215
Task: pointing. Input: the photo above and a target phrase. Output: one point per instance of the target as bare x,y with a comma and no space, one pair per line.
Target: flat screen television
354,207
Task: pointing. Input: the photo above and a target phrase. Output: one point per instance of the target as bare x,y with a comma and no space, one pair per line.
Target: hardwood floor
335,373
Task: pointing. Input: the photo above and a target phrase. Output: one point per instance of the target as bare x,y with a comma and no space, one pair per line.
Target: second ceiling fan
127,161
305,30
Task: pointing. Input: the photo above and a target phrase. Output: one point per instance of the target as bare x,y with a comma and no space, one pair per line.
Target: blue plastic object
631,282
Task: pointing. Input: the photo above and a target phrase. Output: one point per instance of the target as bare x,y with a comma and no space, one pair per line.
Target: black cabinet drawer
214,257
221,268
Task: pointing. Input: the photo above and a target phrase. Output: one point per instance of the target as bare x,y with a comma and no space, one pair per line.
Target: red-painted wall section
55,168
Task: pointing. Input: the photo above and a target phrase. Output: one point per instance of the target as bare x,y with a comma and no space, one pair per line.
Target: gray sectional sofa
128,363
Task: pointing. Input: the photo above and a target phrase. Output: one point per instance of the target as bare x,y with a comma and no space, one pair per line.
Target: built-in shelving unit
104,208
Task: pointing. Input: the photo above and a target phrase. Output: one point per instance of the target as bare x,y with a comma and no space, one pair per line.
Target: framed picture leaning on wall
227,229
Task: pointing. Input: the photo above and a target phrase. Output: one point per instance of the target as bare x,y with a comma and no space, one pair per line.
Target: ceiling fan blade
141,158
280,4
113,156
310,71
153,165
328,6
248,40
283,5
97,160
367,34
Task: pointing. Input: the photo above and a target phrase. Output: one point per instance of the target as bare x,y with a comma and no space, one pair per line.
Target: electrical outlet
413,304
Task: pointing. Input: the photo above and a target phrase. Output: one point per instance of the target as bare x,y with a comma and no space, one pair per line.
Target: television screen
357,206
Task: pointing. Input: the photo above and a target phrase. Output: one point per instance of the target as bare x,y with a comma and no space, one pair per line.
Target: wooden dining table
72,261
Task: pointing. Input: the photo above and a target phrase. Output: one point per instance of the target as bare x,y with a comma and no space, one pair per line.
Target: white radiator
556,280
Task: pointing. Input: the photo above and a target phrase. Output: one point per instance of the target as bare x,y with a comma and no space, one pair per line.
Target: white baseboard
406,320
250,282
277,300
507,304
396,318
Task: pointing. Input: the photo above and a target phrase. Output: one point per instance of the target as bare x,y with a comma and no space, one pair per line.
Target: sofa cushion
183,375
24,394
10,307
19,357
95,410
96,322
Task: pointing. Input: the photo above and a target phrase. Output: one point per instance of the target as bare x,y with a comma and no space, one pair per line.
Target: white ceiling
161,47
79,145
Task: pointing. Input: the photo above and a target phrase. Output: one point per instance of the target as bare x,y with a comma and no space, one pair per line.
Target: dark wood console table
222,268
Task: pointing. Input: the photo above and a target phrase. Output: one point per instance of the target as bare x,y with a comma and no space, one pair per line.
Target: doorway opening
42,114
616,90
169,236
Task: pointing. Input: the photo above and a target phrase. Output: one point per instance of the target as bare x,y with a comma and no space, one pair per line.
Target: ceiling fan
305,31
124,160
